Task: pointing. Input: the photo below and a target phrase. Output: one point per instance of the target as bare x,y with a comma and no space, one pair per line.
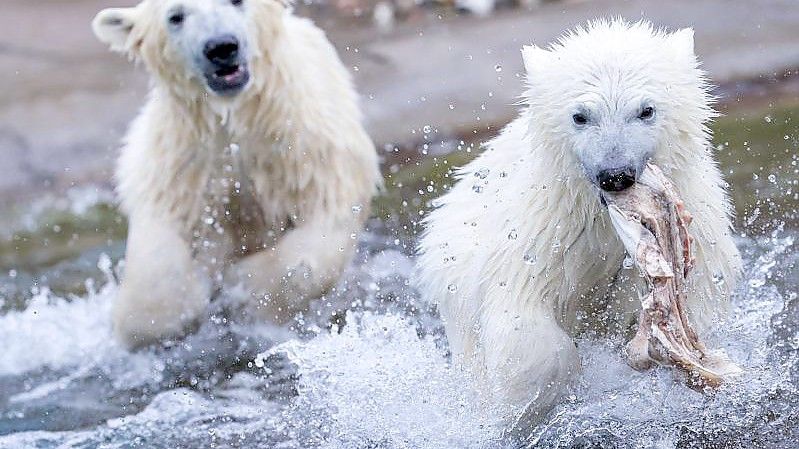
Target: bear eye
236,2
176,18
580,118
647,113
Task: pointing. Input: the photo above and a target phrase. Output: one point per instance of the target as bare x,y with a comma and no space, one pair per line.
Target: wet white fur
301,157
521,246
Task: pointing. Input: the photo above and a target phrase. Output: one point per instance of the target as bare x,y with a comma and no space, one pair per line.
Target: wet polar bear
247,165
521,256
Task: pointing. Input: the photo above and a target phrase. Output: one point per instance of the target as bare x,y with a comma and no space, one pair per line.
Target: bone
652,223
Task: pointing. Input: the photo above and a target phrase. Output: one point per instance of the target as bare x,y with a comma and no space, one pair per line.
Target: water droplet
513,235
530,259
756,283
482,173
427,129
628,262
497,68
452,288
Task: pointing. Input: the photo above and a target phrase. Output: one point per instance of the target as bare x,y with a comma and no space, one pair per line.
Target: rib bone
652,223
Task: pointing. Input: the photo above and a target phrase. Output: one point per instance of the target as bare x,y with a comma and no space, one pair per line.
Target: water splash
613,406
56,333
379,378
377,383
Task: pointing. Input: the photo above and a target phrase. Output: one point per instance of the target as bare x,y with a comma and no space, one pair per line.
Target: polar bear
248,165
520,255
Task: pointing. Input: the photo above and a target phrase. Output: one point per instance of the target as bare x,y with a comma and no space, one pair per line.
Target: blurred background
436,78
428,72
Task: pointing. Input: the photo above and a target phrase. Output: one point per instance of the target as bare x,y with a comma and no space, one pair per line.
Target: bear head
612,95
194,46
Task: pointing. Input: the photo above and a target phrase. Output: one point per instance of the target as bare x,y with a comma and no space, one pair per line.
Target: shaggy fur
267,188
521,256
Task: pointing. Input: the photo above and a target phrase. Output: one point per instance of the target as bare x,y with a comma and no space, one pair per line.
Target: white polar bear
521,256
248,164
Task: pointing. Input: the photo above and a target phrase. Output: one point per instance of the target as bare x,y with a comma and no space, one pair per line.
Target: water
381,379
367,368
614,407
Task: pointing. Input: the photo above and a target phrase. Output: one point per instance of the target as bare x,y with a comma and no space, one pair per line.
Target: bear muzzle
617,179
226,73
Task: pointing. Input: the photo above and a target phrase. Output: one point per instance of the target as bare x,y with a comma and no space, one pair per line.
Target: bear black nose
222,50
617,179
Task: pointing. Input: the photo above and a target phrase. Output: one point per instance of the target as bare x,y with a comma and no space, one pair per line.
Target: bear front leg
304,263
531,360
163,290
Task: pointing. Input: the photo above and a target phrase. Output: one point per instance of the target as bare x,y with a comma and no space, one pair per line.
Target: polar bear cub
521,256
248,164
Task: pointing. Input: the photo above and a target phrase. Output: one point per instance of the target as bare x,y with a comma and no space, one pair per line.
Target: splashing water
378,384
382,380
55,333
618,407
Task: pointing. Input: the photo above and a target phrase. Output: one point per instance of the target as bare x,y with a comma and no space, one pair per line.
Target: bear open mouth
228,80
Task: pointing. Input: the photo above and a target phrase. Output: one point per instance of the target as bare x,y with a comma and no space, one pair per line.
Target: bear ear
112,26
534,57
682,41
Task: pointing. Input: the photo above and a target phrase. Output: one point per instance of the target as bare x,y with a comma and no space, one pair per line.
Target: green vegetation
411,188
61,235
757,150
60,252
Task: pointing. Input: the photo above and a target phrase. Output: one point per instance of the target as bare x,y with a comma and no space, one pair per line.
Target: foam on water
622,408
377,383
57,333
175,418
383,380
